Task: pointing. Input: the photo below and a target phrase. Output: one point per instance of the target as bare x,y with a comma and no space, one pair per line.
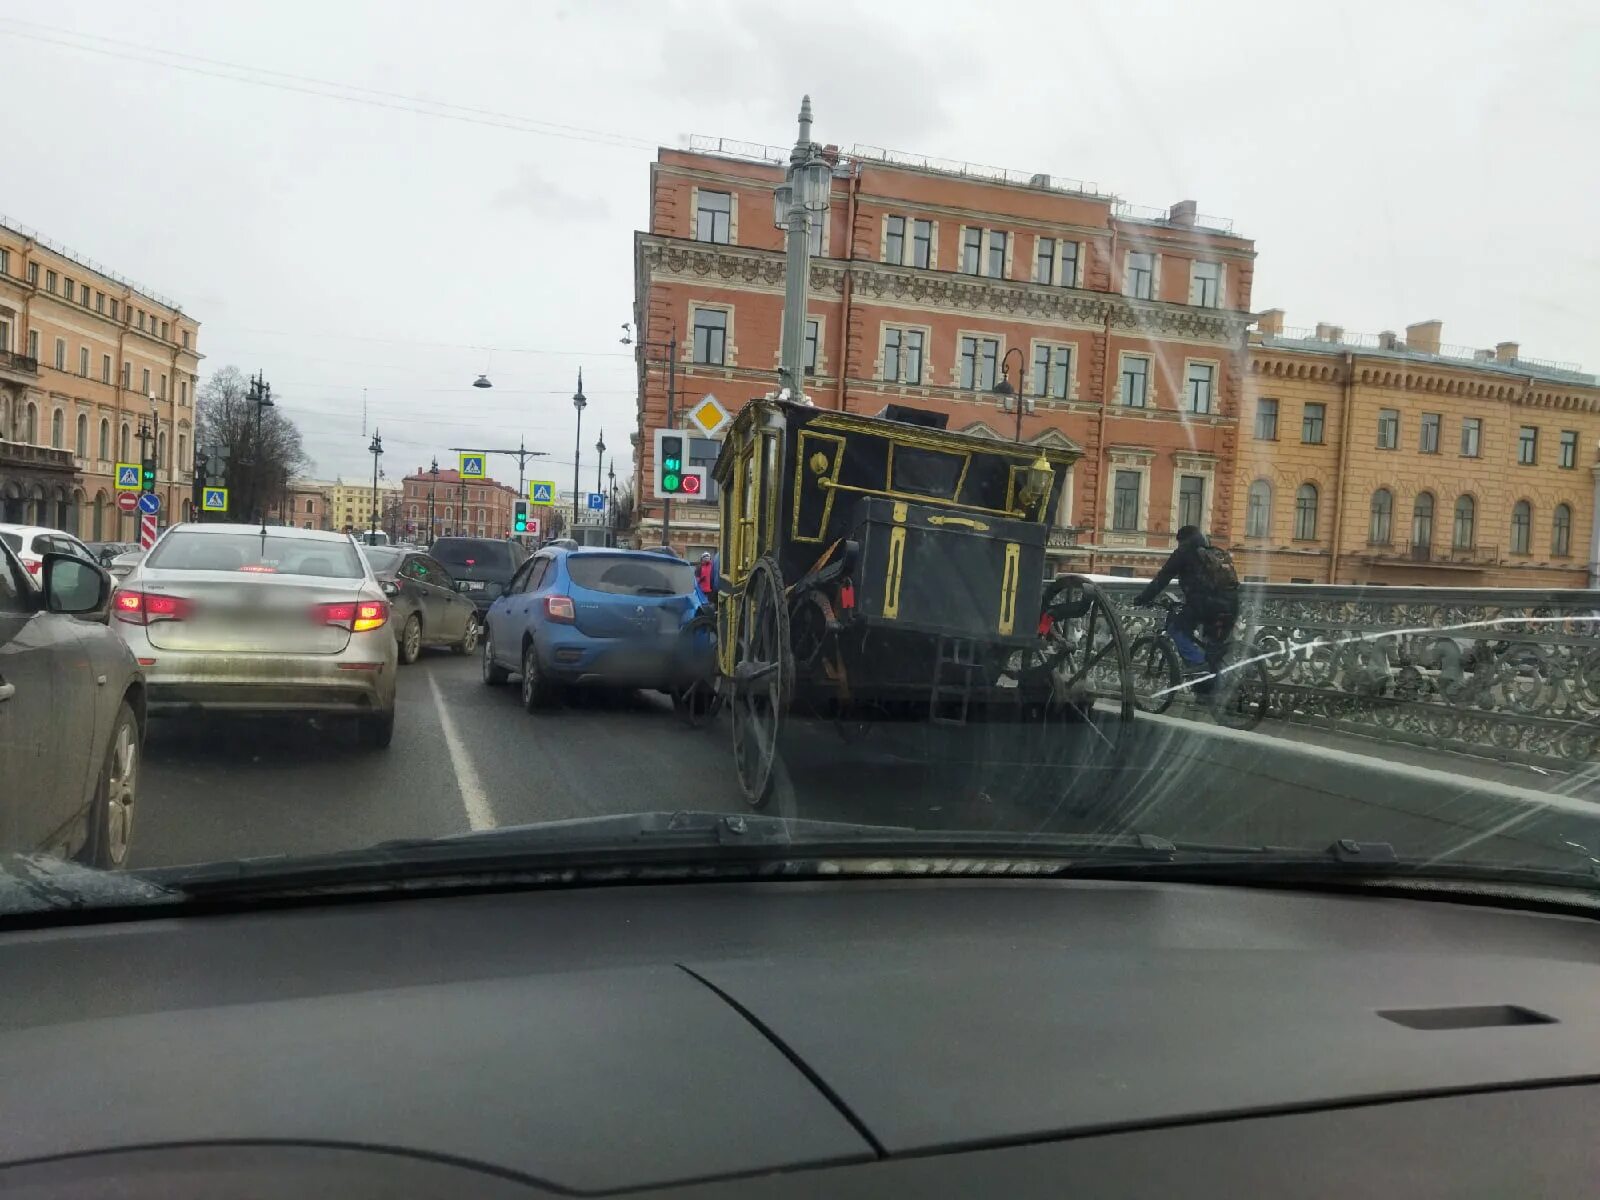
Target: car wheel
376,729
111,813
469,639
535,688
411,640
493,673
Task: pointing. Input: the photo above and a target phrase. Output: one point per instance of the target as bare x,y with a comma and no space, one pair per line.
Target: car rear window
630,576
463,552
252,553
14,540
382,558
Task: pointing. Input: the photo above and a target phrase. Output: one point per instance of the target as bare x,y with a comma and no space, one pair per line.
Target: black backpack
1214,571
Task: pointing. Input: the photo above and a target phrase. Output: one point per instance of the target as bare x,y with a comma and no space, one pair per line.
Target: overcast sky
1393,161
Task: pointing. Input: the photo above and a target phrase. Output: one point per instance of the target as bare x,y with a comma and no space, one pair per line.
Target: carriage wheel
1089,652
763,679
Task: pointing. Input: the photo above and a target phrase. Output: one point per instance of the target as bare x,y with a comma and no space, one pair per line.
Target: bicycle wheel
1242,694
1157,673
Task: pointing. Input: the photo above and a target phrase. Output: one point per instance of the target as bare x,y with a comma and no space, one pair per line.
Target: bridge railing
1504,673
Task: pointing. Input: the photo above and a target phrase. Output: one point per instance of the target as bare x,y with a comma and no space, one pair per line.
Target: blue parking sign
597,502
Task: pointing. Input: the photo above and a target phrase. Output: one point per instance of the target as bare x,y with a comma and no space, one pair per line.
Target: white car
31,543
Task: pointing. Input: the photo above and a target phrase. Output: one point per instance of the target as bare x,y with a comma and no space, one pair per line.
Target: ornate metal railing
1511,674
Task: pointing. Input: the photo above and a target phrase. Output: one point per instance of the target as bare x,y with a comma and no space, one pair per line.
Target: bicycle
1170,662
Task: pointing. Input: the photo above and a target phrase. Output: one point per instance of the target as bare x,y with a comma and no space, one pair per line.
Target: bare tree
259,463
622,513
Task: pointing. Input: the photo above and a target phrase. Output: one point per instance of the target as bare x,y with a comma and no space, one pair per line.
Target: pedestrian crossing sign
128,478
214,500
472,464
542,491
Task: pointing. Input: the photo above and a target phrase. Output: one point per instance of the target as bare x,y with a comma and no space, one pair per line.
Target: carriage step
955,663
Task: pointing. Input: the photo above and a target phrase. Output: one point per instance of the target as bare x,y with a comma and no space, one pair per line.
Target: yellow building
87,358
1389,460
350,504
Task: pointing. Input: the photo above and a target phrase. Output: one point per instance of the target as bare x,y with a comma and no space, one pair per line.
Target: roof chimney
1328,333
1270,322
1182,213
1424,336
1388,340
1506,352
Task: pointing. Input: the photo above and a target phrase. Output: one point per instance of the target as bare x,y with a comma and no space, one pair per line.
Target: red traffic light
690,485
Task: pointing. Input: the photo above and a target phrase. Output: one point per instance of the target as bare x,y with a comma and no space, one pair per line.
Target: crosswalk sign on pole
472,464
128,478
542,491
214,500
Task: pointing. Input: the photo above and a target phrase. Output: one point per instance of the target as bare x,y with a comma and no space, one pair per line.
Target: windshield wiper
36,883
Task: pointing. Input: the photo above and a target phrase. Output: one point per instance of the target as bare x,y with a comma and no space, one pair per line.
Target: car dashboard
851,1038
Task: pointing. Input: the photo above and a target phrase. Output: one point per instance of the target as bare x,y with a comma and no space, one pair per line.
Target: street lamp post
579,402
671,347
802,197
611,496
261,397
376,450
432,488
599,462
1040,476
1009,394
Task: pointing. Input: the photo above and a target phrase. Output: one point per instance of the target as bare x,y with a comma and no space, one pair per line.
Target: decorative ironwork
1511,674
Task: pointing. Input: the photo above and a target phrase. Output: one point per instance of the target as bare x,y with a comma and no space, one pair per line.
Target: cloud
531,191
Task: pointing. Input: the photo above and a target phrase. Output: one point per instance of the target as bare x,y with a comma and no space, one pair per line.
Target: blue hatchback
615,618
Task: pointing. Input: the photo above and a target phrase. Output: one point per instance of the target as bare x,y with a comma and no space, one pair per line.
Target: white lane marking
480,815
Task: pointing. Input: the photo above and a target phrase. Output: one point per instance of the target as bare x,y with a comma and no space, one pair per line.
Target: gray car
72,714
428,610
261,620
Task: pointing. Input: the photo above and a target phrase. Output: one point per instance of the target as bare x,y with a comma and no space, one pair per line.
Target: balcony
18,368
19,455
1064,537
1431,554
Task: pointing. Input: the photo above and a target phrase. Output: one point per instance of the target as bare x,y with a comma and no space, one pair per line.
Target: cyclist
1210,599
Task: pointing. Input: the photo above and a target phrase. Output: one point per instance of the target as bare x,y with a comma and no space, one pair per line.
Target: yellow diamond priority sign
708,416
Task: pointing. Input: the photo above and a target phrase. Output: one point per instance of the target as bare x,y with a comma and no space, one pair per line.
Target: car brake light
34,567
144,608
559,608
371,614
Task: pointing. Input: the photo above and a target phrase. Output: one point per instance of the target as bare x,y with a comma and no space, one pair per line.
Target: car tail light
34,567
145,608
559,608
358,616
371,614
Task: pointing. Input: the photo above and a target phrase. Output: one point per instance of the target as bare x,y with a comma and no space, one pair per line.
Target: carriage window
925,472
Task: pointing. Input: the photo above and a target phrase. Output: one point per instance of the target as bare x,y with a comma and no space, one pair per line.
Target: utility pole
579,402
522,454
376,450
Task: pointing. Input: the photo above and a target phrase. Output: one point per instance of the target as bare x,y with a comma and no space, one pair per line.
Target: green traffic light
669,482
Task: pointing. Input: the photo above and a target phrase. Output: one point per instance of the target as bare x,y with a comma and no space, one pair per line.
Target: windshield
1161,429
254,553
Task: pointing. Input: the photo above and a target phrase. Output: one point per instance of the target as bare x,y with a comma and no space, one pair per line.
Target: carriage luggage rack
956,660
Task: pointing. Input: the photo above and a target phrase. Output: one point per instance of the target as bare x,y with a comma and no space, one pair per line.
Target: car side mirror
74,586
390,587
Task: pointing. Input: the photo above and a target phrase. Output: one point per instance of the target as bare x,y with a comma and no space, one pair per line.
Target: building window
1428,440
50,281
1266,419
1569,448
105,368
1312,420
1521,527
1135,385
185,332
711,336
61,354
1471,436
922,243
1044,260
1125,502
1305,513
713,217
1528,446
83,361
1199,383
163,392
1140,280
1466,520
127,374
813,335
1561,531
69,290
971,250
1205,284
1422,521
183,458
144,381
115,309
33,274
1388,428
58,429
979,356
1380,524
1258,510
183,391
902,355
105,438
894,240
5,261
997,254
99,302
124,449
5,334
141,318
164,336
33,344
1191,500
161,450
1069,264
1052,371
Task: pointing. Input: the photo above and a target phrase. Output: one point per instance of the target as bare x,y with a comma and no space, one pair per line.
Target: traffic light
519,517
147,475
671,463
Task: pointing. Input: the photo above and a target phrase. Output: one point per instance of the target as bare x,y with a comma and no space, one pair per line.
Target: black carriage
882,568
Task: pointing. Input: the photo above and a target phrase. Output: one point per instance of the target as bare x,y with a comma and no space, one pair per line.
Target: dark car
428,610
104,552
481,567
72,711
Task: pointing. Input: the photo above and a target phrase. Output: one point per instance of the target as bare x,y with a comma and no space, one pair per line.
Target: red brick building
1128,327
461,507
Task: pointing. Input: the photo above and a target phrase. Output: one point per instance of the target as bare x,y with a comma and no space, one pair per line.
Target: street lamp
802,197
376,450
599,462
482,381
1012,395
432,488
580,403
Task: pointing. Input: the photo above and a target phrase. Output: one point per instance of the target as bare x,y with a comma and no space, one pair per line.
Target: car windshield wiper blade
36,883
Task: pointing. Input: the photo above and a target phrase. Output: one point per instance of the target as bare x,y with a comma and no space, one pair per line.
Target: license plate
471,585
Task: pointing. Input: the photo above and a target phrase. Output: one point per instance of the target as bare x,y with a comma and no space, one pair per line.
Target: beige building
1401,460
88,360
350,504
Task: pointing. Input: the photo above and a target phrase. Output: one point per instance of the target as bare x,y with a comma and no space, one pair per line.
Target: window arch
1521,527
124,447
1305,512
1466,523
1422,520
1561,530
161,450
30,424
105,437
82,441
1258,510
58,429
1380,523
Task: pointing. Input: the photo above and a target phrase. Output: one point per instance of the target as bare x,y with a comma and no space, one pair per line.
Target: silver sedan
261,620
